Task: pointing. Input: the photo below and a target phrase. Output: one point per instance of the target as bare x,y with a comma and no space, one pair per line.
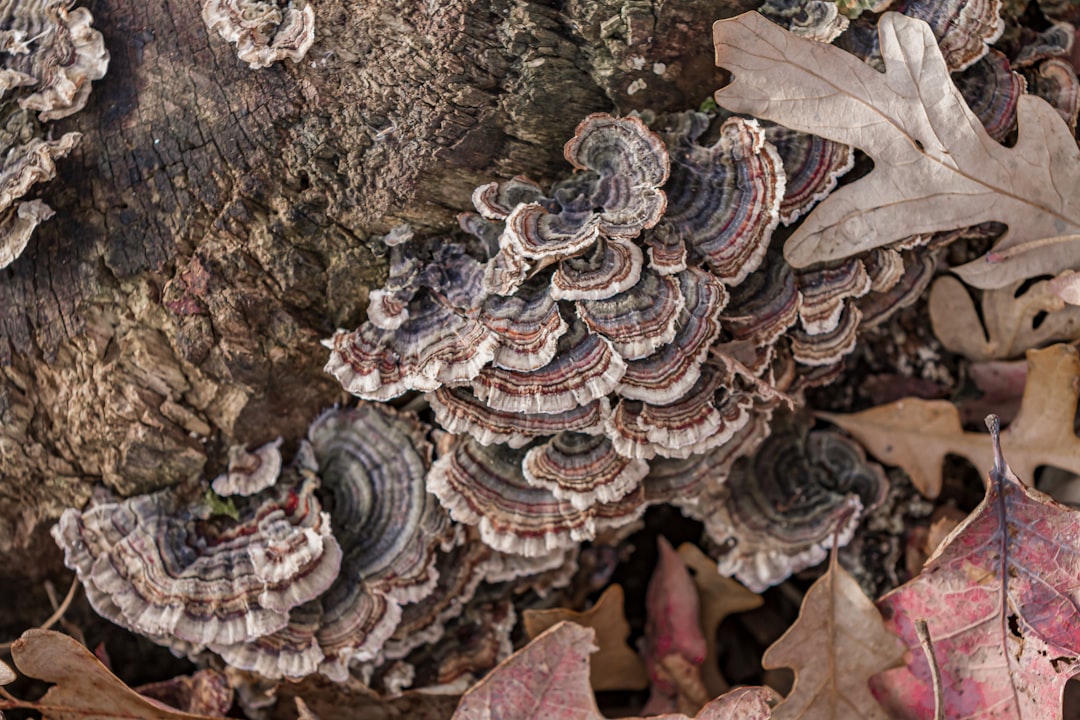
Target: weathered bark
213,224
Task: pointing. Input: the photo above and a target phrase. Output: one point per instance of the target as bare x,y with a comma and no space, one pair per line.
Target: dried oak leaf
838,641
1000,600
1013,323
548,678
936,168
617,667
917,434
83,689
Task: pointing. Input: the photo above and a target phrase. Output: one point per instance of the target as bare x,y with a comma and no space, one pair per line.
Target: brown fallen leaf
615,666
83,689
718,597
935,167
548,679
1000,599
838,641
917,434
1008,324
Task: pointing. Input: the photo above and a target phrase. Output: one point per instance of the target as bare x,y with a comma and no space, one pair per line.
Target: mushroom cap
877,307
584,369
826,290
992,90
724,199
484,486
1055,81
496,200
63,54
666,248
779,510
640,320
671,371
811,19
612,266
828,347
812,167
166,569
263,32
630,163
459,411
708,415
434,345
250,472
964,28
584,469
528,325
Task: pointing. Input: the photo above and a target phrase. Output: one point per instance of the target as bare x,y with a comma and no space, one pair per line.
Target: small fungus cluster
49,54
263,31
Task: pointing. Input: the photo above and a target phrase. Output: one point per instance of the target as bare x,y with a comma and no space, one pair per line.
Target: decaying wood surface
215,222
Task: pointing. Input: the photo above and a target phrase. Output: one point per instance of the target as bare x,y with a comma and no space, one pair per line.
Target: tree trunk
215,222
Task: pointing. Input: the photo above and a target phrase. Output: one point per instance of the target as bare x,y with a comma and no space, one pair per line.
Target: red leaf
1000,597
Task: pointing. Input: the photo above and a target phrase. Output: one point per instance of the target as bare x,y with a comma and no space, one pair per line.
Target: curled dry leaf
83,688
917,434
838,641
936,168
616,666
1011,638
548,679
1013,323
718,597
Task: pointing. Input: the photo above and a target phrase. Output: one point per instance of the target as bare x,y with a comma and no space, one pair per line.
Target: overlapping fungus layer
631,315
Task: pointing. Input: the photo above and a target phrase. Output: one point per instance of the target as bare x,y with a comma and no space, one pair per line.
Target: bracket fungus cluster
340,557
577,341
781,509
263,31
49,55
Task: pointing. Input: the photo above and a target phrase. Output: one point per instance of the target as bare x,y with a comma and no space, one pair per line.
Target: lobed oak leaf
616,666
917,434
838,641
936,168
548,678
1000,599
1013,322
83,688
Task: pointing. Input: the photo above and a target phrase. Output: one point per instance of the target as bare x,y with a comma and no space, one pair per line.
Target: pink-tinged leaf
1000,597
674,647
548,678
672,605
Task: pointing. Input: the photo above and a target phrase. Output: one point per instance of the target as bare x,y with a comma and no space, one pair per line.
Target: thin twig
935,672
57,614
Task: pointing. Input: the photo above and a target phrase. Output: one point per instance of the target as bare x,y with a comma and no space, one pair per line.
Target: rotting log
215,223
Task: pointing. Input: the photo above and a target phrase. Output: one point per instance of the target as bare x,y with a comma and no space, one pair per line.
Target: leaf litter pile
818,550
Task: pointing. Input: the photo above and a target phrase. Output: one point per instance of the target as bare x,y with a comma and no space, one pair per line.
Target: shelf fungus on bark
812,167
484,486
780,509
640,320
264,32
724,198
249,472
827,290
812,19
459,411
669,373
166,568
613,266
51,52
584,469
992,90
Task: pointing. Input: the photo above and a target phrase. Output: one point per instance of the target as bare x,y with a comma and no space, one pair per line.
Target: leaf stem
935,671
